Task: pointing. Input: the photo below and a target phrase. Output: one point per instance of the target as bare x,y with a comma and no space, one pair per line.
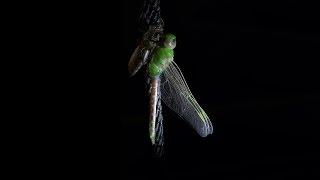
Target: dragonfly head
169,41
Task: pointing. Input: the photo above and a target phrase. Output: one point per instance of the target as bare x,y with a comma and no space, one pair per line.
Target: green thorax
162,57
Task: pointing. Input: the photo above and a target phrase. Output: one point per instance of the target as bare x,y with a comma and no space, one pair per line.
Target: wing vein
177,96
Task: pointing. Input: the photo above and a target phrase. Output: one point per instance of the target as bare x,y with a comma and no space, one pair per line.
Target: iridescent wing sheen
176,94
137,59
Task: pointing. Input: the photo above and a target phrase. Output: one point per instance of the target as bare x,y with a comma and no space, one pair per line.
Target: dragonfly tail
156,118
159,138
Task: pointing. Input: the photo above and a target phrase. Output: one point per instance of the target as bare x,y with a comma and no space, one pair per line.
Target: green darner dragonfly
168,84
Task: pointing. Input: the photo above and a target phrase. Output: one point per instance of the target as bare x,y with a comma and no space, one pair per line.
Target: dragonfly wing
137,59
176,94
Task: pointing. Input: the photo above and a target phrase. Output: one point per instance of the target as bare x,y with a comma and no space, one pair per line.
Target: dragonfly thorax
162,56
160,61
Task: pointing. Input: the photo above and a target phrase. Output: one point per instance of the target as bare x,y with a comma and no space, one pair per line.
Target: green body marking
161,59
163,56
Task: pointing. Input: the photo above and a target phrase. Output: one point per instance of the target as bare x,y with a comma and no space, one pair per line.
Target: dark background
253,66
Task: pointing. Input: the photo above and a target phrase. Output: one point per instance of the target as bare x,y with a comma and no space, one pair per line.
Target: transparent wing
176,94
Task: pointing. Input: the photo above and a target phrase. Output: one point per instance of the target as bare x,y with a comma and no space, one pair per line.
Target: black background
253,66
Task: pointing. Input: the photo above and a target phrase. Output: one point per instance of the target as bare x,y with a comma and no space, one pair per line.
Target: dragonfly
168,84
